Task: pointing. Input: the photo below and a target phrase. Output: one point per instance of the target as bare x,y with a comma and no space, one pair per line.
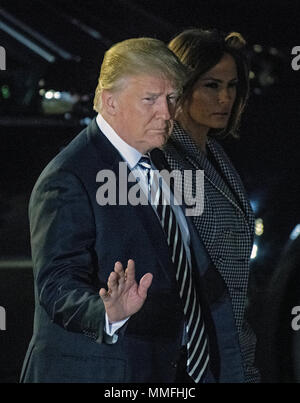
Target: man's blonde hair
134,57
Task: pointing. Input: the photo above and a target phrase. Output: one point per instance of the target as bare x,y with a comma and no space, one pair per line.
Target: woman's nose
225,95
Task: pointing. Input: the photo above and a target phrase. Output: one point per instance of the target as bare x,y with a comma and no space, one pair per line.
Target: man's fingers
144,285
130,271
113,282
119,270
118,267
116,278
103,293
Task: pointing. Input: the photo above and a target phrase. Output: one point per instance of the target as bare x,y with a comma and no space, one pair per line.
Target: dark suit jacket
75,243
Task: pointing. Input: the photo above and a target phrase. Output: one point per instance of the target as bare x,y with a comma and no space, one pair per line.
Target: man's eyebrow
157,94
152,94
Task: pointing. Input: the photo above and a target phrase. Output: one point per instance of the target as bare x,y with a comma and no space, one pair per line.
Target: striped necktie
197,345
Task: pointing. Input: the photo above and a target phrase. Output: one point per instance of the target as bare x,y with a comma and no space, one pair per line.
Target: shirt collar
128,153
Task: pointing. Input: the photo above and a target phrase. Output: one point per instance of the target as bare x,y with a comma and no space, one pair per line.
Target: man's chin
164,139
159,140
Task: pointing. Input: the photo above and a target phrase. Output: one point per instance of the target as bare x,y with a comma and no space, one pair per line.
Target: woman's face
213,95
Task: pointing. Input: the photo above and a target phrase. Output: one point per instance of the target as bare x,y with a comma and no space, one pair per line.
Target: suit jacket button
174,364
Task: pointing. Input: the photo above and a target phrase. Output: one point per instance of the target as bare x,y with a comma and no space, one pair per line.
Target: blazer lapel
199,161
231,176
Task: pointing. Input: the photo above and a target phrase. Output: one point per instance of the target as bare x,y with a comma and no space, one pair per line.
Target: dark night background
72,37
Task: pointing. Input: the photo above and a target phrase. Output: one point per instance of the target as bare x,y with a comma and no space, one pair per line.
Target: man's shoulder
70,156
87,154
85,150
76,158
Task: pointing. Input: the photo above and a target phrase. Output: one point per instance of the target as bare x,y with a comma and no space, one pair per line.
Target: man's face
144,109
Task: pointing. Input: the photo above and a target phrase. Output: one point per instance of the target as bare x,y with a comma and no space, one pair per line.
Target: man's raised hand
124,296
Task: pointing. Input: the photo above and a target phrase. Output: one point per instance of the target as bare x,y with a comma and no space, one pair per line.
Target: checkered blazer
226,226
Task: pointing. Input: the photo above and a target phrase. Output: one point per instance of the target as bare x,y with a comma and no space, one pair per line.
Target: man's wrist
112,327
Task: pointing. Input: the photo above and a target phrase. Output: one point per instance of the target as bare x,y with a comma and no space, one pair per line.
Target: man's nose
164,110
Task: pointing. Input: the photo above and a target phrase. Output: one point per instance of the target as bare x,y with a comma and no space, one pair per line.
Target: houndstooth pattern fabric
226,226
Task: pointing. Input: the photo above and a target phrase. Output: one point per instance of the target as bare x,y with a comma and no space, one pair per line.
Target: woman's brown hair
200,50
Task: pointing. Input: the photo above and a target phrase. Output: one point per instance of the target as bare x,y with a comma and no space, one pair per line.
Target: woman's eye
233,84
211,85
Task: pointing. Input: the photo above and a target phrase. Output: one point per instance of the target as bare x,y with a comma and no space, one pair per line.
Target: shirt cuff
111,328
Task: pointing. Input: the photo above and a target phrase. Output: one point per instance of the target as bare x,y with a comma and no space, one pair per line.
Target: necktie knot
145,162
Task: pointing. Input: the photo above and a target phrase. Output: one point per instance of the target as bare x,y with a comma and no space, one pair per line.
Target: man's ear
109,102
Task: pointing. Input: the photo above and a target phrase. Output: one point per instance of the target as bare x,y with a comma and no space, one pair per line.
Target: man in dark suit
84,236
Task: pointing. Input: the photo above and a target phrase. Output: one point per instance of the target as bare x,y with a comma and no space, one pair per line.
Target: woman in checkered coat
212,103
